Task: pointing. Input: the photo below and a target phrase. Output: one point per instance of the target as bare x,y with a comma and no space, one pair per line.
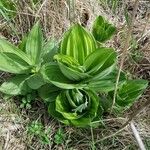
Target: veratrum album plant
24,62
82,77
76,80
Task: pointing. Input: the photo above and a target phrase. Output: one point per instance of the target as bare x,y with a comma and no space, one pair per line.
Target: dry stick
137,136
125,50
147,103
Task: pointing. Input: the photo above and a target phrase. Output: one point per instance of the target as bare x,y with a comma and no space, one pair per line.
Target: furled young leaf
10,62
75,107
102,30
34,44
35,81
130,91
100,60
9,48
15,86
77,43
53,74
70,67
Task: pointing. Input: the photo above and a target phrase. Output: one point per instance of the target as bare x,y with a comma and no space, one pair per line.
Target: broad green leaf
9,48
53,74
10,62
100,60
77,43
48,92
104,74
15,86
107,82
49,50
34,44
102,85
102,30
35,81
130,91
69,61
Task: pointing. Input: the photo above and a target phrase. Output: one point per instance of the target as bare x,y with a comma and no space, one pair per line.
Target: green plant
36,129
102,30
83,75
27,100
59,136
7,9
76,80
25,62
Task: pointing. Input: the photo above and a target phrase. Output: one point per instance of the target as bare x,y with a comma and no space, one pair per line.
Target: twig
125,50
137,136
147,103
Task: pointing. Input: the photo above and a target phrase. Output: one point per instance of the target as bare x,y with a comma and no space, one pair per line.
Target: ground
56,17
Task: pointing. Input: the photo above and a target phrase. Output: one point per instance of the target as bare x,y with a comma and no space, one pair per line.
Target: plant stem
125,51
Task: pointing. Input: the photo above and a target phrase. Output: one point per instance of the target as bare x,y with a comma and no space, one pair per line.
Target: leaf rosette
76,107
25,61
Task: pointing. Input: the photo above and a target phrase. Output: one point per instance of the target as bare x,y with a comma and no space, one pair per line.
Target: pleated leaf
10,62
49,50
9,48
102,85
53,74
48,92
99,60
15,86
130,91
77,43
34,44
35,81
